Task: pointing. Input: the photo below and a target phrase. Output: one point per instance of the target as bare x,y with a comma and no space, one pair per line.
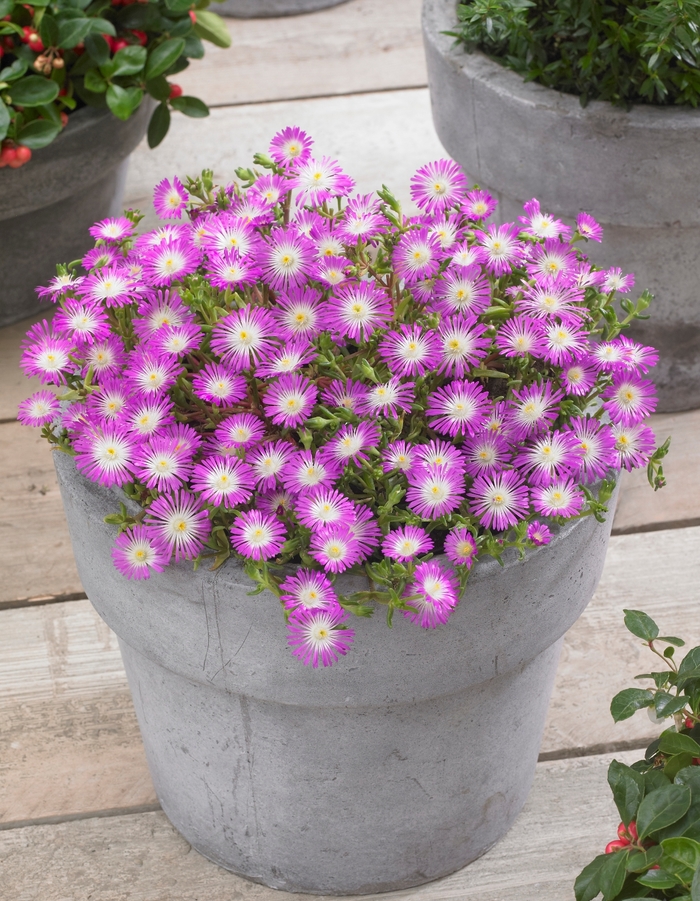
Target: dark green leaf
97,48
72,32
48,30
612,874
158,88
95,82
190,106
681,857
661,808
38,134
179,6
695,887
641,625
6,7
102,26
690,675
587,884
627,788
658,879
641,861
159,125
194,48
212,28
129,60
678,743
123,101
666,704
51,113
628,701
670,639
690,663
162,57
676,763
4,119
15,71
34,91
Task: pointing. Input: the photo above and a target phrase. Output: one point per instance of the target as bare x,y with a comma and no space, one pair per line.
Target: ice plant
315,384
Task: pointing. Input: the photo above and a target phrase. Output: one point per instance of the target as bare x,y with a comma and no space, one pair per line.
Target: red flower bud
689,723
175,91
193,16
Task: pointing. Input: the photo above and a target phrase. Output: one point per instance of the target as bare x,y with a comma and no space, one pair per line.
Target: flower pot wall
637,172
263,9
47,206
403,762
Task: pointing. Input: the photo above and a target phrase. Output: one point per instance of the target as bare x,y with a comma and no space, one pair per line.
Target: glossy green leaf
158,88
641,861
627,788
628,701
681,857
666,704
123,101
212,28
190,106
162,57
194,48
34,91
695,887
676,763
6,7
661,808
587,885
102,26
129,60
159,125
690,663
38,133
72,32
97,48
179,6
658,879
641,625
95,82
50,112
678,743
15,71
612,874
48,30
4,119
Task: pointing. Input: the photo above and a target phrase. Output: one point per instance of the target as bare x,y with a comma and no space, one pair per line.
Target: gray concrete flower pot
264,9
637,172
403,762
47,206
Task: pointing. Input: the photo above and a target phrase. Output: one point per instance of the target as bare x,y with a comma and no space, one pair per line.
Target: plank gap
610,747
88,815
667,526
43,599
355,93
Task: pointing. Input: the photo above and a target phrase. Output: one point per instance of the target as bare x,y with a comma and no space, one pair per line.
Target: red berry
611,847
79,49
140,36
632,831
64,119
695,761
8,154
119,44
175,91
193,16
24,154
32,39
689,723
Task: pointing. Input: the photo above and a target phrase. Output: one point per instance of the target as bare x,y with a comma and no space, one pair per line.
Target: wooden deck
79,818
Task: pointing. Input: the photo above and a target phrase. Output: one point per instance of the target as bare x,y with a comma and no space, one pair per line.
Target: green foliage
613,50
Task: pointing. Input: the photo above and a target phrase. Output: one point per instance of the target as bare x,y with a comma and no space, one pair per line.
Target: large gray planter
637,172
264,9
47,206
403,762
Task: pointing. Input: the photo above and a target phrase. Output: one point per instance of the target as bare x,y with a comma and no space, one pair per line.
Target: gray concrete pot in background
637,172
264,9
47,206
403,762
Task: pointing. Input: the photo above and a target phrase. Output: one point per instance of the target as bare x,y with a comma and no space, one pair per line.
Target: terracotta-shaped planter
47,206
403,762
637,172
264,9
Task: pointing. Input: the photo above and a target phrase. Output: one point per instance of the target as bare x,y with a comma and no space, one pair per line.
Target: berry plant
646,52
657,850
59,55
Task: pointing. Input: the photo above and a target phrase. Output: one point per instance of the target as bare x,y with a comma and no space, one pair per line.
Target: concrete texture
265,9
637,172
47,207
387,770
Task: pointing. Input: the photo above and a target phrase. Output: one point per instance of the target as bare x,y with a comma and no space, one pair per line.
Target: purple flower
59,286
542,225
45,354
335,547
319,180
39,409
433,595
351,440
634,445
110,400
521,336
308,590
298,313
180,523
137,551
230,270
463,289
462,344
277,502
440,453
637,355
332,271
146,416
170,262
356,310
459,408
465,255
112,286
223,481
596,447
150,373
306,470
243,337
486,453
290,399
287,258
159,310
324,507
82,321
438,185
499,501
184,435
564,342
218,385
230,237
106,357
170,198
268,460
629,399
257,535
608,356
588,227
417,256
177,340
99,257
366,530
161,463
290,146
532,410
551,261
287,358
106,455
549,458
399,455
502,249
387,398
460,547
269,189
434,490
538,533
344,394
410,351
406,542
578,378
478,205
240,430
562,498
552,299
319,636
113,229
615,281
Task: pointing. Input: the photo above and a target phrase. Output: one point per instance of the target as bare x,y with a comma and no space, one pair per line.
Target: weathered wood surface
72,745
567,820
364,45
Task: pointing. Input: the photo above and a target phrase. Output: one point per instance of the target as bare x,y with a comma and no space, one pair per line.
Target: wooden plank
63,665
364,45
36,557
567,820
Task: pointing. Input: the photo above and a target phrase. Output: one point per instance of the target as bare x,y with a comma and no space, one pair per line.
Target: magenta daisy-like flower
634,444
446,230
99,257
406,542
110,400
39,409
112,286
608,356
434,490
399,455
177,340
532,410
269,188
319,180
277,502
588,227
629,399
578,377
344,394
228,234
150,373
180,523
162,235
319,636
82,321
59,286
465,255
637,355
160,463
45,354
159,310
463,289
257,535
551,261
306,470
462,344
417,256
287,358
460,547
501,247
112,229
351,441
298,313
366,530
549,458
240,430
521,336
410,351
562,498
106,357
564,342
433,595
440,453
137,552
499,501
538,533
486,453
596,447
356,310
335,547
387,399
223,481
170,198
169,262
290,399
542,225
290,146
324,507
615,281
106,455
478,205
308,590
438,185
218,385
551,299
459,408
268,460
230,270
332,271
147,416
243,337
288,258
184,436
